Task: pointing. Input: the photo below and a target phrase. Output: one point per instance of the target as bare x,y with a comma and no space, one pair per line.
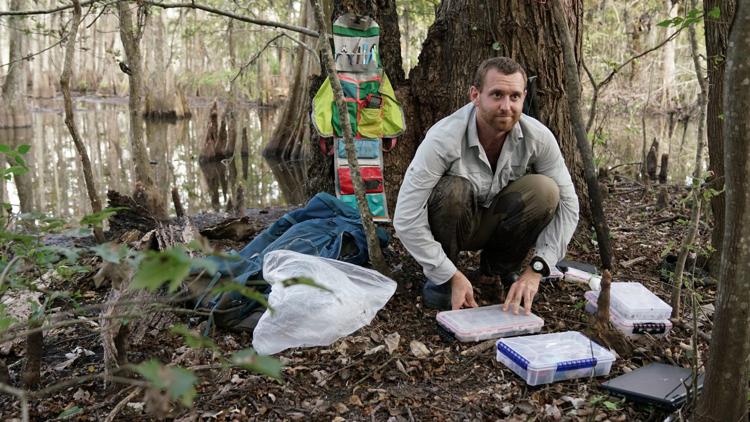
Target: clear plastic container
631,328
547,358
633,301
486,322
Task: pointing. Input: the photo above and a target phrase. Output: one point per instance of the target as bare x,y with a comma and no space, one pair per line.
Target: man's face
500,102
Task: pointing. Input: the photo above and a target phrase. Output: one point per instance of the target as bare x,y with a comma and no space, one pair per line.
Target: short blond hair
504,65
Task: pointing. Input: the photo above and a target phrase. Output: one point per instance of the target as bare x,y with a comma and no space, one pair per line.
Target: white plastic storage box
547,358
631,328
486,322
632,301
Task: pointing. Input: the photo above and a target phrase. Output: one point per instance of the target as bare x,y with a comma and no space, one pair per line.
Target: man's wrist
539,266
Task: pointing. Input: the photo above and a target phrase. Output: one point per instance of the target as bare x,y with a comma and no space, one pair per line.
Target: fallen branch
121,405
629,263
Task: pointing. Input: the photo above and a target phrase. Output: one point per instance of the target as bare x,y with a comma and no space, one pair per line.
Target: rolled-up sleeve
410,219
552,243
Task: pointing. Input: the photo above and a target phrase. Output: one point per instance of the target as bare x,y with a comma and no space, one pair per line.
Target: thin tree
573,90
717,31
695,191
70,122
373,244
725,390
131,34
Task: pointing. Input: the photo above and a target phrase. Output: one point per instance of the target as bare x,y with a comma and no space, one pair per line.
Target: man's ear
473,94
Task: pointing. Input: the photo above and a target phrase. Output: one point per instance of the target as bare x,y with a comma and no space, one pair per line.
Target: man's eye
515,97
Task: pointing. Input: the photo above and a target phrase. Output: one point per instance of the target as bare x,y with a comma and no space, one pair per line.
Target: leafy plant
179,383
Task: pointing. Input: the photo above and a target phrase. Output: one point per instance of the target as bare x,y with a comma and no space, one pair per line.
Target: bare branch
43,12
261,22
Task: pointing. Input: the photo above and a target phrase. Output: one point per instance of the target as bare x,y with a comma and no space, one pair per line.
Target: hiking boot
436,296
250,322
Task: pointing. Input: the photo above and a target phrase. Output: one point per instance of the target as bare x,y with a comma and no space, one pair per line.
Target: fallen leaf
374,350
81,395
576,402
341,408
401,368
391,342
418,349
321,377
552,411
354,400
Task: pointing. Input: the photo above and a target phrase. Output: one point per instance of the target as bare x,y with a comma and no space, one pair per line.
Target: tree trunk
131,35
91,189
725,389
717,31
439,84
14,109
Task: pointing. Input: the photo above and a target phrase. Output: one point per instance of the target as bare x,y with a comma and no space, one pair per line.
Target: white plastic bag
309,316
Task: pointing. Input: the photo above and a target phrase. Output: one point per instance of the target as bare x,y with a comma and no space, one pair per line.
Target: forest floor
348,381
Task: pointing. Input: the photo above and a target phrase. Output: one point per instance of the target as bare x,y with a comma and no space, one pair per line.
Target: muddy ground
345,382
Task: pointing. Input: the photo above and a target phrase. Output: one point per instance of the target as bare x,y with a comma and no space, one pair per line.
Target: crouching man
487,178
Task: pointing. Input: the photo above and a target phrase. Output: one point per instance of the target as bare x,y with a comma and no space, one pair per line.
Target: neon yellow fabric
384,122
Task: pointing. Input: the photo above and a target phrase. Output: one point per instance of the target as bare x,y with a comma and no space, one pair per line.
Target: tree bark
725,389
14,109
717,31
96,204
131,35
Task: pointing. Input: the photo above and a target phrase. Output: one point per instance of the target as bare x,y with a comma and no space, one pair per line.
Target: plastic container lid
633,301
545,358
485,322
631,327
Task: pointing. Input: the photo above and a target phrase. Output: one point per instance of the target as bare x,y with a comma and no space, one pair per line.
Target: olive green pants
504,232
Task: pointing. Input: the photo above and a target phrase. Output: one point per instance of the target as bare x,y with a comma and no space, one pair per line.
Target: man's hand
462,293
525,289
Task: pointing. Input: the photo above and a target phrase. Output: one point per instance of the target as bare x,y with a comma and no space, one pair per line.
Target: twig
479,348
44,11
261,22
7,268
629,263
369,374
121,405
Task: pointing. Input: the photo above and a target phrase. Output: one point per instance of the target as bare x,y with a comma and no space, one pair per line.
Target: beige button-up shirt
451,147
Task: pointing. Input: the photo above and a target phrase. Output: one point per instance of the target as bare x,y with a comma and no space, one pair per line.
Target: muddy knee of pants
514,221
452,211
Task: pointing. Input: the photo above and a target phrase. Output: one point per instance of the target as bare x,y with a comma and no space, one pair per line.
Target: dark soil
343,382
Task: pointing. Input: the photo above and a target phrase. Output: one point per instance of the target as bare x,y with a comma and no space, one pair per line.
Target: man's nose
505,103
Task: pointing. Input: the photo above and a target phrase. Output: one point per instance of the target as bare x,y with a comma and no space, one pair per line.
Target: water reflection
55,183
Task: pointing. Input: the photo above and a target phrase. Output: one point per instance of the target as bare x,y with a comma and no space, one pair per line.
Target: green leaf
611,405
193,339
265,365
715,13
69,412
177,382
97,218
169,266
665,23
111,252
5,149
5,319
23,149
305,282
496,46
